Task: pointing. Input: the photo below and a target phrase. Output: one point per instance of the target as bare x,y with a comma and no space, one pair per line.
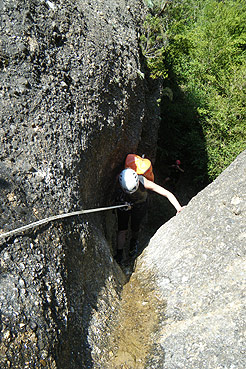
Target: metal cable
60,216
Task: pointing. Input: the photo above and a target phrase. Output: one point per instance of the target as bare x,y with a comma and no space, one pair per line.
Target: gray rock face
197,264
73,91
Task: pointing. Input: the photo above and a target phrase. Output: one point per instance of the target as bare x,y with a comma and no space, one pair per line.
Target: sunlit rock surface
196,263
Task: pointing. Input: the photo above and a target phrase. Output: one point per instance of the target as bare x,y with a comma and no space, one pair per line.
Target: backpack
141,166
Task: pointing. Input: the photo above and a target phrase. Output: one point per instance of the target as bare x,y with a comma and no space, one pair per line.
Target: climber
133,189
174,173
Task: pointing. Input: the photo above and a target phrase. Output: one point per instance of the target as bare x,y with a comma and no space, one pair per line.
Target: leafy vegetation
198,48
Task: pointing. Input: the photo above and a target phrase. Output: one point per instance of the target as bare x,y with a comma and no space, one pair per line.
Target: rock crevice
72,104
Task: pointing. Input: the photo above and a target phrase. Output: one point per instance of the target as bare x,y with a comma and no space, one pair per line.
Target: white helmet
129,180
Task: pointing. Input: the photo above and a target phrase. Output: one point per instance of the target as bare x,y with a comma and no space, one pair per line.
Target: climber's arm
149,185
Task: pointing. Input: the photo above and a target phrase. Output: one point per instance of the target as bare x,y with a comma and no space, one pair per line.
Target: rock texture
196,262
73,103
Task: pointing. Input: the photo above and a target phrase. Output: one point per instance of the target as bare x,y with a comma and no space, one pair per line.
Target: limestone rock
197,264
72,105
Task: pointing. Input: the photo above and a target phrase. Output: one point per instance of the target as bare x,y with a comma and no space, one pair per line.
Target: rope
60,216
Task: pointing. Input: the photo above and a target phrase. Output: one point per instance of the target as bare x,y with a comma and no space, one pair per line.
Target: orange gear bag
141,166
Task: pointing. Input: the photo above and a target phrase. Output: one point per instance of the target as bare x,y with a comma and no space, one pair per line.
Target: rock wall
75,99
195,263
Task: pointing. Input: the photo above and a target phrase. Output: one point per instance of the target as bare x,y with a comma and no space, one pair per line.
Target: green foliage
153,42
199,47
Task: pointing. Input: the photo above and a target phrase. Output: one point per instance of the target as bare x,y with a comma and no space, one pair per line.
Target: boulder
195,264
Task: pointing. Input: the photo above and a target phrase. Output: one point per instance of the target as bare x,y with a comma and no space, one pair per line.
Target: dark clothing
137,214
138,202
175,172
